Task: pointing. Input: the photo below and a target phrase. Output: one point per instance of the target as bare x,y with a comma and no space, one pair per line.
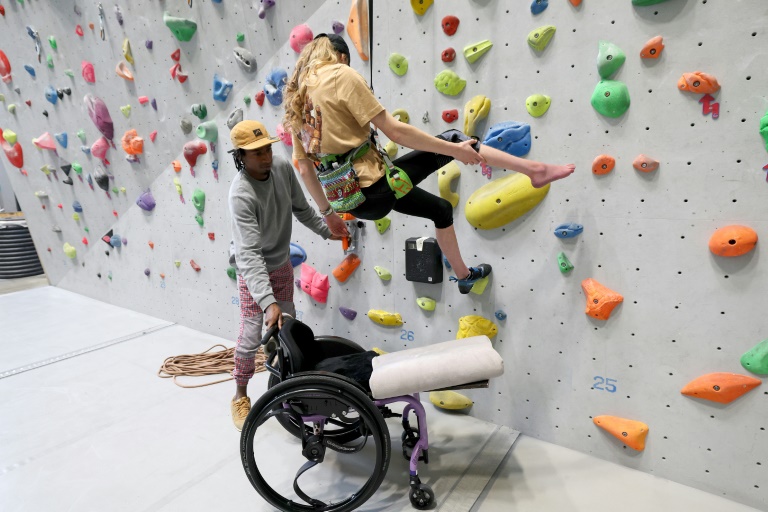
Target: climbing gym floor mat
94,428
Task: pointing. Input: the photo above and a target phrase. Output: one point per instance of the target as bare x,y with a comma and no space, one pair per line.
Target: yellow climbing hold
383,273
426,303
502,201
475,110
473,325
382,317
378,351
445,176
69,250
127,51
449,400
479,287
391,149
476,50
421,6
401,115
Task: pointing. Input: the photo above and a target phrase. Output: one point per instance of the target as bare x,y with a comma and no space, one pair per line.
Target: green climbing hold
383,273
398,64
426,303
609,59
537,104
49,59
115,190
52,41
12,108
177,263
77,168
109,276
474,51
383,224
2,97
647,2
86,229
126,110
247,99
611,98
539,37
479,287
182,28
69,73
764,129
208,131
200,110
564,263
199,219
81,135
232,273
198,199
240,37
448,82
10,136
756,359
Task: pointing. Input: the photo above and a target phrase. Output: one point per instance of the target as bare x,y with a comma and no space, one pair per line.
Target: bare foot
551,173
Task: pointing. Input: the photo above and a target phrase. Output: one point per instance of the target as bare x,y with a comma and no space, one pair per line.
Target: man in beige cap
262,197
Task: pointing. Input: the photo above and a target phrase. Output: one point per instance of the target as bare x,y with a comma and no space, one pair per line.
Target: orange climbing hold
123,71
575,3
730,241
698,82
357,27
132,143
720,387
645,163
603,164
346,267
652,49
176,165
600,300
630,432
151,244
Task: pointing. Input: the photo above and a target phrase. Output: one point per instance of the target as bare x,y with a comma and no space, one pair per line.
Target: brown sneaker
240,409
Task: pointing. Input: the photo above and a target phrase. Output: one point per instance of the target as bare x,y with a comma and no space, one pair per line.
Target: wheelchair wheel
421,496
311,400
341,432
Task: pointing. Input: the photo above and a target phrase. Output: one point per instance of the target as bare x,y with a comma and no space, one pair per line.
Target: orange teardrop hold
346,267
732,241
357,27
652,49
603,164
630,432
600,300
720,387
575,3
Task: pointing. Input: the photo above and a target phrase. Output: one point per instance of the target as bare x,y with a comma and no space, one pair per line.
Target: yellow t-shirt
337,113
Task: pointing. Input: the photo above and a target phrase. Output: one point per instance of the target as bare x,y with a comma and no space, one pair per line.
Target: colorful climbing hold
564,263
199,219
732,241
445,177
401,115
347,313
146,202
511,137
698,82
221,88
88,72
127,53
208,131
722,388
756,359
132,143
647,2
337,27
603,164
192,150
450,25
609,59
275,83
448,55
29,69
99,114
426,303
44,141
240,37
200,110
538,6
630,432
300,36
386,318
500,315
259,97
382,225
502,201
284,135
600,300
69,250
347,266
383,273
475,110
540,37
476,50
449,400
450,116
391,148
610,98
122,71
62,139
194,265
79,31
183,29
449,83
538,104
398,64
474,325
126,110
645,163
421,6
569,230
653,48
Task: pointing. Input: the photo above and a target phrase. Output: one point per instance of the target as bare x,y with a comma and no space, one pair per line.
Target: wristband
327,212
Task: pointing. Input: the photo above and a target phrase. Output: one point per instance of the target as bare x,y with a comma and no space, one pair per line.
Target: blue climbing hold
76,206
30,70
568,230
510,136
50,95
276,81
446,262
115,241
221,88
62,139
298,255
538,6
500,315
86,149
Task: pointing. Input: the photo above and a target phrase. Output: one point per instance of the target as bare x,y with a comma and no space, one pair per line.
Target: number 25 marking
610,384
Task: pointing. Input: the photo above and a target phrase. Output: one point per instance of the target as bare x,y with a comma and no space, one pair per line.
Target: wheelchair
332,415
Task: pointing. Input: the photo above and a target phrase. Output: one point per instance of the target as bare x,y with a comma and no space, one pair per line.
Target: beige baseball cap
251,135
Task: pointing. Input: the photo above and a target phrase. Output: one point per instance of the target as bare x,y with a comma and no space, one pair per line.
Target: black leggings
380,199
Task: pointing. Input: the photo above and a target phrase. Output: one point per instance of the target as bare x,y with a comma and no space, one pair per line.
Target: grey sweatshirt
261,225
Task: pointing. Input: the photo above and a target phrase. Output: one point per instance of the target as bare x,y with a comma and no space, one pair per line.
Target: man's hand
337,237
273,315
337,226
465,153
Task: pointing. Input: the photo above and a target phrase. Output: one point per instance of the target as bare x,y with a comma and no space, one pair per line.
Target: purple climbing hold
125,241
146,201
154,103
148,44
265,4
297,282
347,313
146,272
338,27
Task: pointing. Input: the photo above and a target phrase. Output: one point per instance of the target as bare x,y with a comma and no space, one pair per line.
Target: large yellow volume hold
449,400
502,201
382,317
445,176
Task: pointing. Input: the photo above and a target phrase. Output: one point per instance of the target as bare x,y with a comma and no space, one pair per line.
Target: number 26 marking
406,335
610,384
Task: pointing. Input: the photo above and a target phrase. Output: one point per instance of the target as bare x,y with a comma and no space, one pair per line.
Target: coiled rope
205,363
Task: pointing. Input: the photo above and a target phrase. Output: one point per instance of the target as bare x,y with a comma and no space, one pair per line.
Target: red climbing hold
176,55
143,100
194,265
211,236
448,55
450,25
61,206
153,136
2,10
194,149
181,77
114,212
450,116
260,98
28,102
79,30
174,70
85,241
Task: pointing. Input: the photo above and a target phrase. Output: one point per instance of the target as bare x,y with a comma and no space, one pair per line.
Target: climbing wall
686,313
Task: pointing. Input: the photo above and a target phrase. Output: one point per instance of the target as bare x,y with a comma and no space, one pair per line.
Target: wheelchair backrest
299,347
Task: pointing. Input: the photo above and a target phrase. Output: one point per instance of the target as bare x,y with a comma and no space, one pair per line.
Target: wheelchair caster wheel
421,496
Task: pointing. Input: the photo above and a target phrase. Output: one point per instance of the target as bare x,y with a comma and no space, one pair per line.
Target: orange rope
202,364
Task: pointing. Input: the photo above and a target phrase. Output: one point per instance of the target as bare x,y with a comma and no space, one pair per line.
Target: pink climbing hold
284,135
28,102
143,100
99,114
45,141
79,30
88,73
260,98
314,283
174,70
153,136
99,149
192,150
301,35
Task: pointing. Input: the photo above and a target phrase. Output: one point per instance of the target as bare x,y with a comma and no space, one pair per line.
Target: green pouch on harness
340,182
398,181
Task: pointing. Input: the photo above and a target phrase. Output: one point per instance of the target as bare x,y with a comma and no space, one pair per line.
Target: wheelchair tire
421,496
292,389
342,435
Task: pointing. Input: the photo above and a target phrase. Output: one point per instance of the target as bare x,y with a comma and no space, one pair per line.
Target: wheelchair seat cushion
436,366
357,367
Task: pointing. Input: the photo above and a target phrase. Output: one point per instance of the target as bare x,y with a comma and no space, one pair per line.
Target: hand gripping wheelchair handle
272,331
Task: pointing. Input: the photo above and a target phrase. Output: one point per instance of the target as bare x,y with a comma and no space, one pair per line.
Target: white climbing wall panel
686,313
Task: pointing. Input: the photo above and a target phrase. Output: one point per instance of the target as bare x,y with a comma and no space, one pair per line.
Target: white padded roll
441,365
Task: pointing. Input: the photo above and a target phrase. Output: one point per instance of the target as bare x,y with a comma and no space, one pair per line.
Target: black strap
315,503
